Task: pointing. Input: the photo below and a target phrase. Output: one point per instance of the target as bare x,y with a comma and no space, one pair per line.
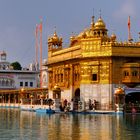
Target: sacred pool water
22,125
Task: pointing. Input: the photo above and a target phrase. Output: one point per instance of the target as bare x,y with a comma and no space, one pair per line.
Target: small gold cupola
100,28
55,42
113,37
100,24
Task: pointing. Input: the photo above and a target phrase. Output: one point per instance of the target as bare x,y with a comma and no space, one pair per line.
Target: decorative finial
55,34
54,28
92,20
100,13
93,13
93,16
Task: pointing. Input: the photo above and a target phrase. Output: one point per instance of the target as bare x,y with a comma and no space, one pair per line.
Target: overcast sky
18,19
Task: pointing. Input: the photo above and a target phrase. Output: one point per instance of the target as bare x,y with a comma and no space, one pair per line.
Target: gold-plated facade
94,63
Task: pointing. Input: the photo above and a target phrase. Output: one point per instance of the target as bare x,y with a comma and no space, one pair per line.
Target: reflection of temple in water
84,127
93,65
31,125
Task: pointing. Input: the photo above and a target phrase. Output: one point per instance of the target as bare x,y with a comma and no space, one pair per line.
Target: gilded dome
55,36
86,33
55,39
113,37
91,31
100,24
72,37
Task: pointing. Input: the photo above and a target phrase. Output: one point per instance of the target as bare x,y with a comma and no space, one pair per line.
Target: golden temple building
93,65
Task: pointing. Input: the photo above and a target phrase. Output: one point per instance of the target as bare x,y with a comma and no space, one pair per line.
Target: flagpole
129,33
36,44
41,53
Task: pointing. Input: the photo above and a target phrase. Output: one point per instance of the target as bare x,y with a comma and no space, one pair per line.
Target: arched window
3,82
6,83
126,73
61,77
98,33
134,73
94,77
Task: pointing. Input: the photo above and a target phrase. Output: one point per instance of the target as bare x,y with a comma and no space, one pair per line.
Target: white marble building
44,74
15,79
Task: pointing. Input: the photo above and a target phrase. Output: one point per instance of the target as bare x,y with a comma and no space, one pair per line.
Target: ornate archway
77,94
76,98
133,97
132,102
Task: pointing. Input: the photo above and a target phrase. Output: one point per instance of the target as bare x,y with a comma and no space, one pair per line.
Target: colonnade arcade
6,82
9,97
23,95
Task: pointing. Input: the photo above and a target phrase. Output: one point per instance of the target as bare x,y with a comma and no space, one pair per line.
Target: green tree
16,65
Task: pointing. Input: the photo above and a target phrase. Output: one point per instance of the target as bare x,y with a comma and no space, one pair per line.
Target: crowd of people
66,106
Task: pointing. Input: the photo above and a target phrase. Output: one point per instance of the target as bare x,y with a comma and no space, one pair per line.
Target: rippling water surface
22,125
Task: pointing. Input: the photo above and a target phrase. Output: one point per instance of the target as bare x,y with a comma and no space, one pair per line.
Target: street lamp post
21,95
119,100
31,97
42,97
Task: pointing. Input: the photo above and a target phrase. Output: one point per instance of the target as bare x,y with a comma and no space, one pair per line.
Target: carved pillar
67,76
9,96
31,97
42,98
85,73
50,75
57,97
22,95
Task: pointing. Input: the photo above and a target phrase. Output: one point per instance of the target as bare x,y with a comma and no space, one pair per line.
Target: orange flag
129,22
40,26
36,42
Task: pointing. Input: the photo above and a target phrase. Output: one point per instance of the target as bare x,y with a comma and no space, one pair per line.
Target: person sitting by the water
94,104
134,110
91,107
65,102
90,104
67,109
61,107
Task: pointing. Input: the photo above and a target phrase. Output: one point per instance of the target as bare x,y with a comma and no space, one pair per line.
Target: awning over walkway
130,90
